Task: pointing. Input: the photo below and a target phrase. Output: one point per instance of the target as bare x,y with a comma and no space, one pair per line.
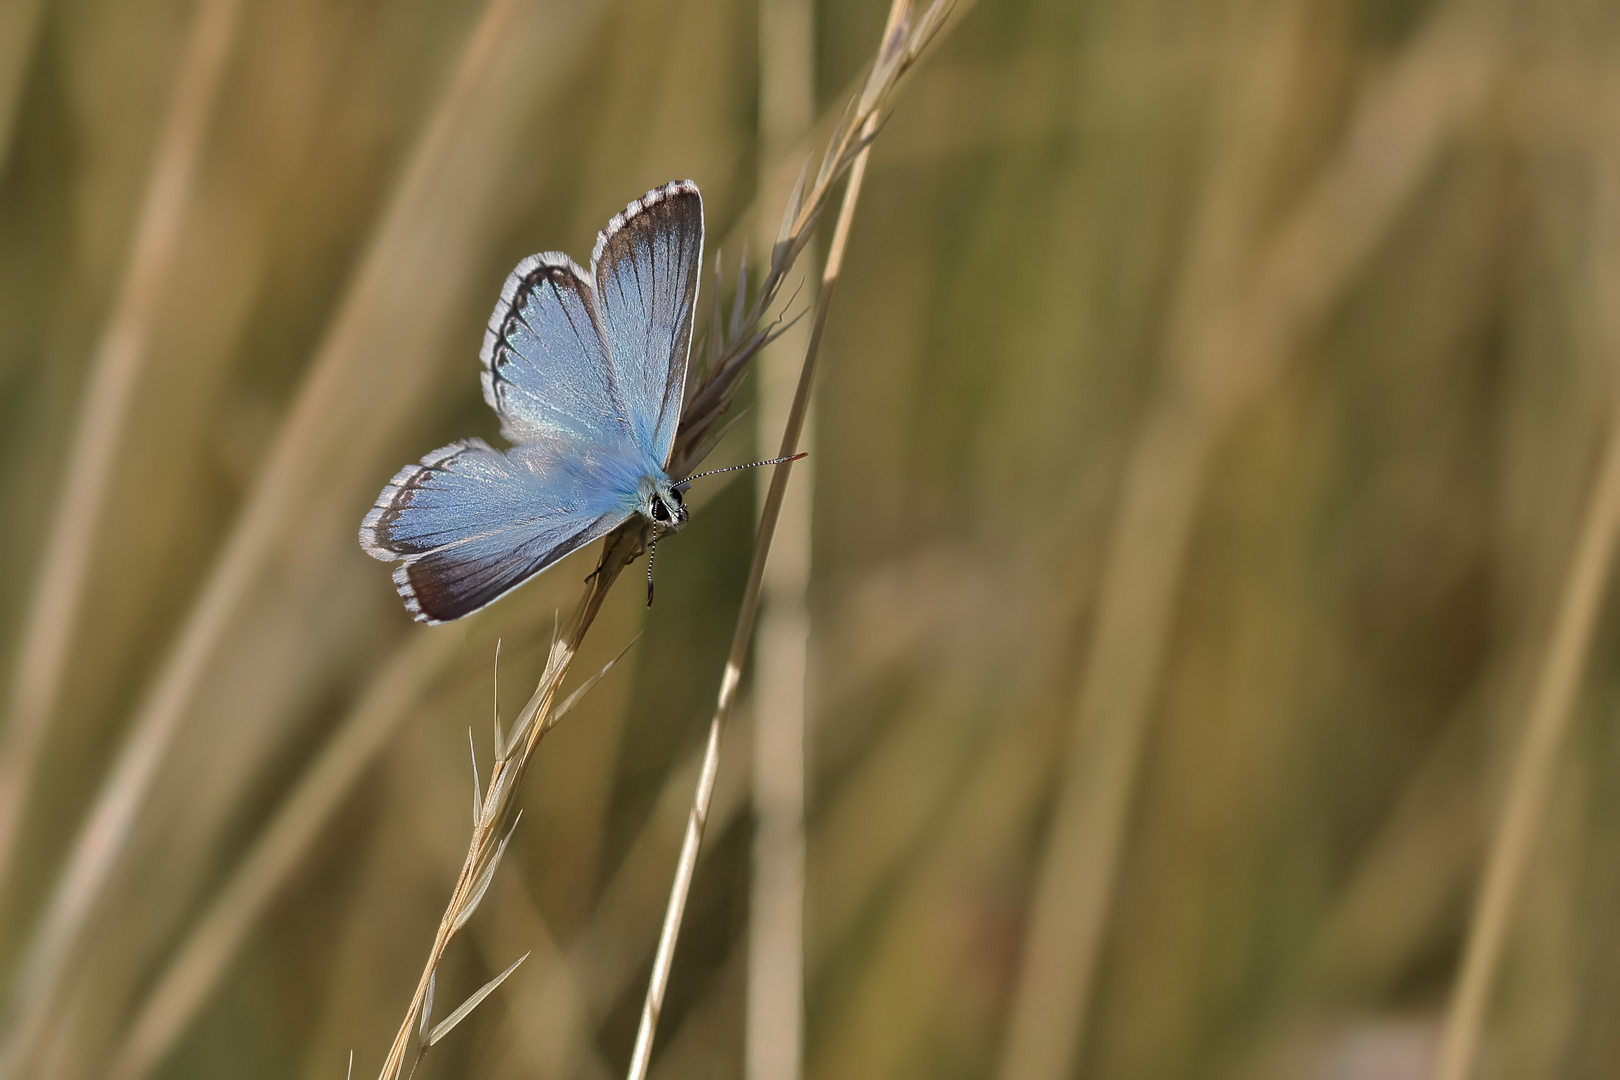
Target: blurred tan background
1212,484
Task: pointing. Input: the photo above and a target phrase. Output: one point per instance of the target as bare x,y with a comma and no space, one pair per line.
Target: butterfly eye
660,512
675,494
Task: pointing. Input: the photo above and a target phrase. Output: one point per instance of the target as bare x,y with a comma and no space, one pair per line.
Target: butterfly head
663,505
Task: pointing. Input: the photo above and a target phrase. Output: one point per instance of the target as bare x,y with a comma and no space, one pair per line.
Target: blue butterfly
587,373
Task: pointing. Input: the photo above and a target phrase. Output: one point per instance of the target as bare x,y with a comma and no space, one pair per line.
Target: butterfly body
587,373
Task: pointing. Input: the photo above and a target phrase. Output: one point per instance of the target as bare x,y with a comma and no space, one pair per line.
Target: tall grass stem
1544,737
773,1034
1234,353
663,958
115,370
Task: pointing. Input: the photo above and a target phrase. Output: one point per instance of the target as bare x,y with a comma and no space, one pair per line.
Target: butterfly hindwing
473,523
646,269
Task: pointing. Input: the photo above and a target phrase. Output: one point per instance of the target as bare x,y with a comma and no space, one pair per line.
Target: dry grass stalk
1399,125
692,1048
115,369
773,1037
731,345
494,817
718,367
900,48
442,173
1542,743
576,994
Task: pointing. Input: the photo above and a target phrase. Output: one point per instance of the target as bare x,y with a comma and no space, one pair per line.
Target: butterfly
587,373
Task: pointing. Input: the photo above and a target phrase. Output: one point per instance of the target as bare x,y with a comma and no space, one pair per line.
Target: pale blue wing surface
646,268
546,371
473,523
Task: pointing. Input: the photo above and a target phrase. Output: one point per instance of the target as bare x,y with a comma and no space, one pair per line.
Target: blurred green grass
1379,535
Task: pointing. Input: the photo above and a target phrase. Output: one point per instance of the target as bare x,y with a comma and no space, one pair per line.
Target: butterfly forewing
646,268
546,370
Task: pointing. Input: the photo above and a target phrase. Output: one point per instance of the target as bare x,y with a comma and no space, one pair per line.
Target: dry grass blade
475,895
114,372
1237,349
427,1009
584,688
499,741
448,1024
794,202
478,790
1547,721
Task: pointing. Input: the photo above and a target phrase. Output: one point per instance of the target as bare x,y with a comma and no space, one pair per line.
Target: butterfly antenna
734,468
652,552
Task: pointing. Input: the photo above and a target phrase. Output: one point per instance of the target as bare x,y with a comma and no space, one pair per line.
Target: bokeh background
1209,491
